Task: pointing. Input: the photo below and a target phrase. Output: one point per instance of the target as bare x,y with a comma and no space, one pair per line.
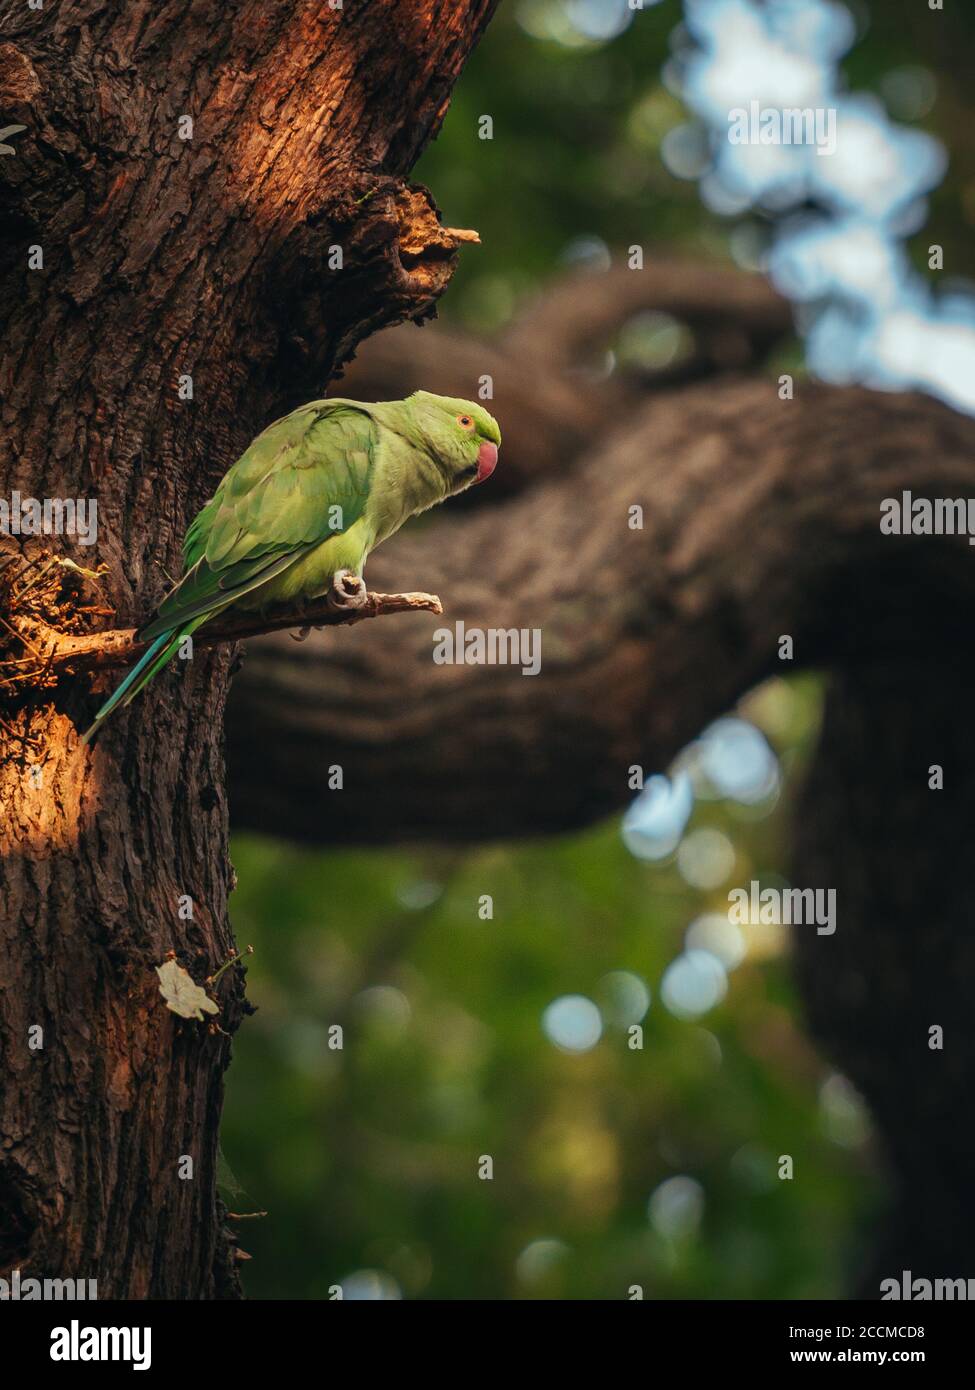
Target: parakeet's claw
301,635
348,591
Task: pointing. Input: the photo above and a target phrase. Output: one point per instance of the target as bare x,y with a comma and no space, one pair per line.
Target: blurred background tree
614,1165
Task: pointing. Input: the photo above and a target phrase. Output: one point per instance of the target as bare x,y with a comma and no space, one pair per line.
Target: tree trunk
187,174
901,963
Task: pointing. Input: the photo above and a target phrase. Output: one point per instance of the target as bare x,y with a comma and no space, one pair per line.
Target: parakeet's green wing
306,478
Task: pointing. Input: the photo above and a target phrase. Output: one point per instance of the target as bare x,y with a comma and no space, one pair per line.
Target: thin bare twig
98,651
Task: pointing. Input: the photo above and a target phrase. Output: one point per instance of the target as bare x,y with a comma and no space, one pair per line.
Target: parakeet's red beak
487,460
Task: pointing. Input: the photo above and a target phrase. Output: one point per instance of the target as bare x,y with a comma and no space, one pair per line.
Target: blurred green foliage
576,146
366,1158
574,155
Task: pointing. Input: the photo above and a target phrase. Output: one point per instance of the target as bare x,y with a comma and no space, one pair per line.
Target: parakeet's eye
465,422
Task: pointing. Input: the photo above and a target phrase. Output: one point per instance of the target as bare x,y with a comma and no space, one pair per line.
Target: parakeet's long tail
200,595
149,664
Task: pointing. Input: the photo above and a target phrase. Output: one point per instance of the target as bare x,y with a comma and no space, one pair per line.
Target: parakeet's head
460,436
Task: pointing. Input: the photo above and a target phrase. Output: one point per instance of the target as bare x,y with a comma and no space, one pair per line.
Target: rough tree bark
761,518
170,250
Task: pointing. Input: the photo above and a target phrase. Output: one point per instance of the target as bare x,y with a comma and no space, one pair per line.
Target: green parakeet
298,513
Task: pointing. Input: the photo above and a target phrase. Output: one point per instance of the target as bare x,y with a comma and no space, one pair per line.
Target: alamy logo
54,516
492,646
29,1290
924,516
783,125
77,1343
790,907
926,1290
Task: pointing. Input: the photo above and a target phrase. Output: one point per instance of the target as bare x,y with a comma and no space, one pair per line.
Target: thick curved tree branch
756,514
736,318
552,406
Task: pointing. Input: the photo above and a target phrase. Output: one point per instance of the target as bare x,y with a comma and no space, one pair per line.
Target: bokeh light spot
573,1023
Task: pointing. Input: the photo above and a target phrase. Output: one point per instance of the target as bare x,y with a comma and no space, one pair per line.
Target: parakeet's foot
301,635
348,591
